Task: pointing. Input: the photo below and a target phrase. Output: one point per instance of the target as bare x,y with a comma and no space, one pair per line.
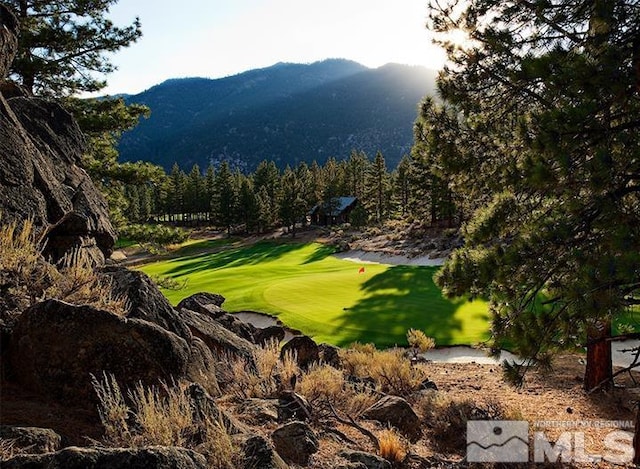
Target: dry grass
419,341
8,449
393,447
269,376
160,416
392,371
27,278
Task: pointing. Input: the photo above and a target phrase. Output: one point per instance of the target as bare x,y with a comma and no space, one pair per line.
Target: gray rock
156,457
31,439
395,411
205,408
305,350
292,406
329,354
295,442
370,461
204,303
258,453
202,367
238,327
144,299
55,347
220,340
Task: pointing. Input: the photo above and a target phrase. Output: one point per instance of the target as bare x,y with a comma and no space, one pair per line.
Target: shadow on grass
235,257
400,298
322,252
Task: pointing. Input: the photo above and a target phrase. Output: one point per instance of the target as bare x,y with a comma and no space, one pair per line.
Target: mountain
286,113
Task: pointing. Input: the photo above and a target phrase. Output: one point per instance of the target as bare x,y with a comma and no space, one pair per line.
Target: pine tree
225,203
377,193
248,212
65,43
541,140
292,205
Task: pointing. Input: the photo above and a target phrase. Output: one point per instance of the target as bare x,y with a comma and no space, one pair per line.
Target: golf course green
332,300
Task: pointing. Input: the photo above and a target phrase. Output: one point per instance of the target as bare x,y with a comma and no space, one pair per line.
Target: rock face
41,147
9,29
397,412
144,300
157,457
204,303
295,442
55,347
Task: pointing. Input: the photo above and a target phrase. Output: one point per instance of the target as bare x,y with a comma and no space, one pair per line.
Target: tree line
269,197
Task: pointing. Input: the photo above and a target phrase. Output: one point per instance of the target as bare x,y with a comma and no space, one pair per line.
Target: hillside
286,113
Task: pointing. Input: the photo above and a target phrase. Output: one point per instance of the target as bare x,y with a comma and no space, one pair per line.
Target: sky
218,38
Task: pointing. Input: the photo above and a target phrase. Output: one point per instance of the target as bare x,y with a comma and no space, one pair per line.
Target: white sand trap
370,257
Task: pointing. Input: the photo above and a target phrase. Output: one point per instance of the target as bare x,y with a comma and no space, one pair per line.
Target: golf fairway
327,298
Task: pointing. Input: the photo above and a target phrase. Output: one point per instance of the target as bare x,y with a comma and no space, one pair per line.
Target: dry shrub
25,277
393,447
448,420
79,283
8,449
390,368
160,416
419,341
269,375
322,385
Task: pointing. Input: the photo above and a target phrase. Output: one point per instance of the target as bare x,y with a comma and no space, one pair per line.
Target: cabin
334,213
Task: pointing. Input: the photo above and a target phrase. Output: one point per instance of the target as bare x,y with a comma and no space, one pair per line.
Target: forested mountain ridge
286,113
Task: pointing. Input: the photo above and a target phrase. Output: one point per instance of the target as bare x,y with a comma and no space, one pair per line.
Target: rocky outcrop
395,411
55,347
41,147
295,442
157,457
31,439
144,300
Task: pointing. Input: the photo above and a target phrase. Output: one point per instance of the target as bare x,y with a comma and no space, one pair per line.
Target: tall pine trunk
599,364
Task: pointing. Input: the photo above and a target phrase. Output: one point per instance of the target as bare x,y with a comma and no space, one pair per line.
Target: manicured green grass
327,298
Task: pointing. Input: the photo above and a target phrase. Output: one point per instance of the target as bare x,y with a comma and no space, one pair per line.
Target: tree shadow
234,257
389,309
320,253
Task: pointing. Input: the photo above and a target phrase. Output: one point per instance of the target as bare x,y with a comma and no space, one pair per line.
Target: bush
393,447
160,416
448,420
390,369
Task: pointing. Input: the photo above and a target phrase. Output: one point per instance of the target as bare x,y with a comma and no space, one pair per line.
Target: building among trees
335,212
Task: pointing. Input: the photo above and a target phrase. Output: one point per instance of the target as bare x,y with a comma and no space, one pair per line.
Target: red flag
361,271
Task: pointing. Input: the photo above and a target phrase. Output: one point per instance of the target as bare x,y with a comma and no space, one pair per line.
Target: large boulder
204,408
264,335
305,350
238,327
144,300
56,347
157,457
395,411
202,367
295,442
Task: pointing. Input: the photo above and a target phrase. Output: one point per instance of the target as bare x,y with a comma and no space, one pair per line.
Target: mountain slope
287,113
